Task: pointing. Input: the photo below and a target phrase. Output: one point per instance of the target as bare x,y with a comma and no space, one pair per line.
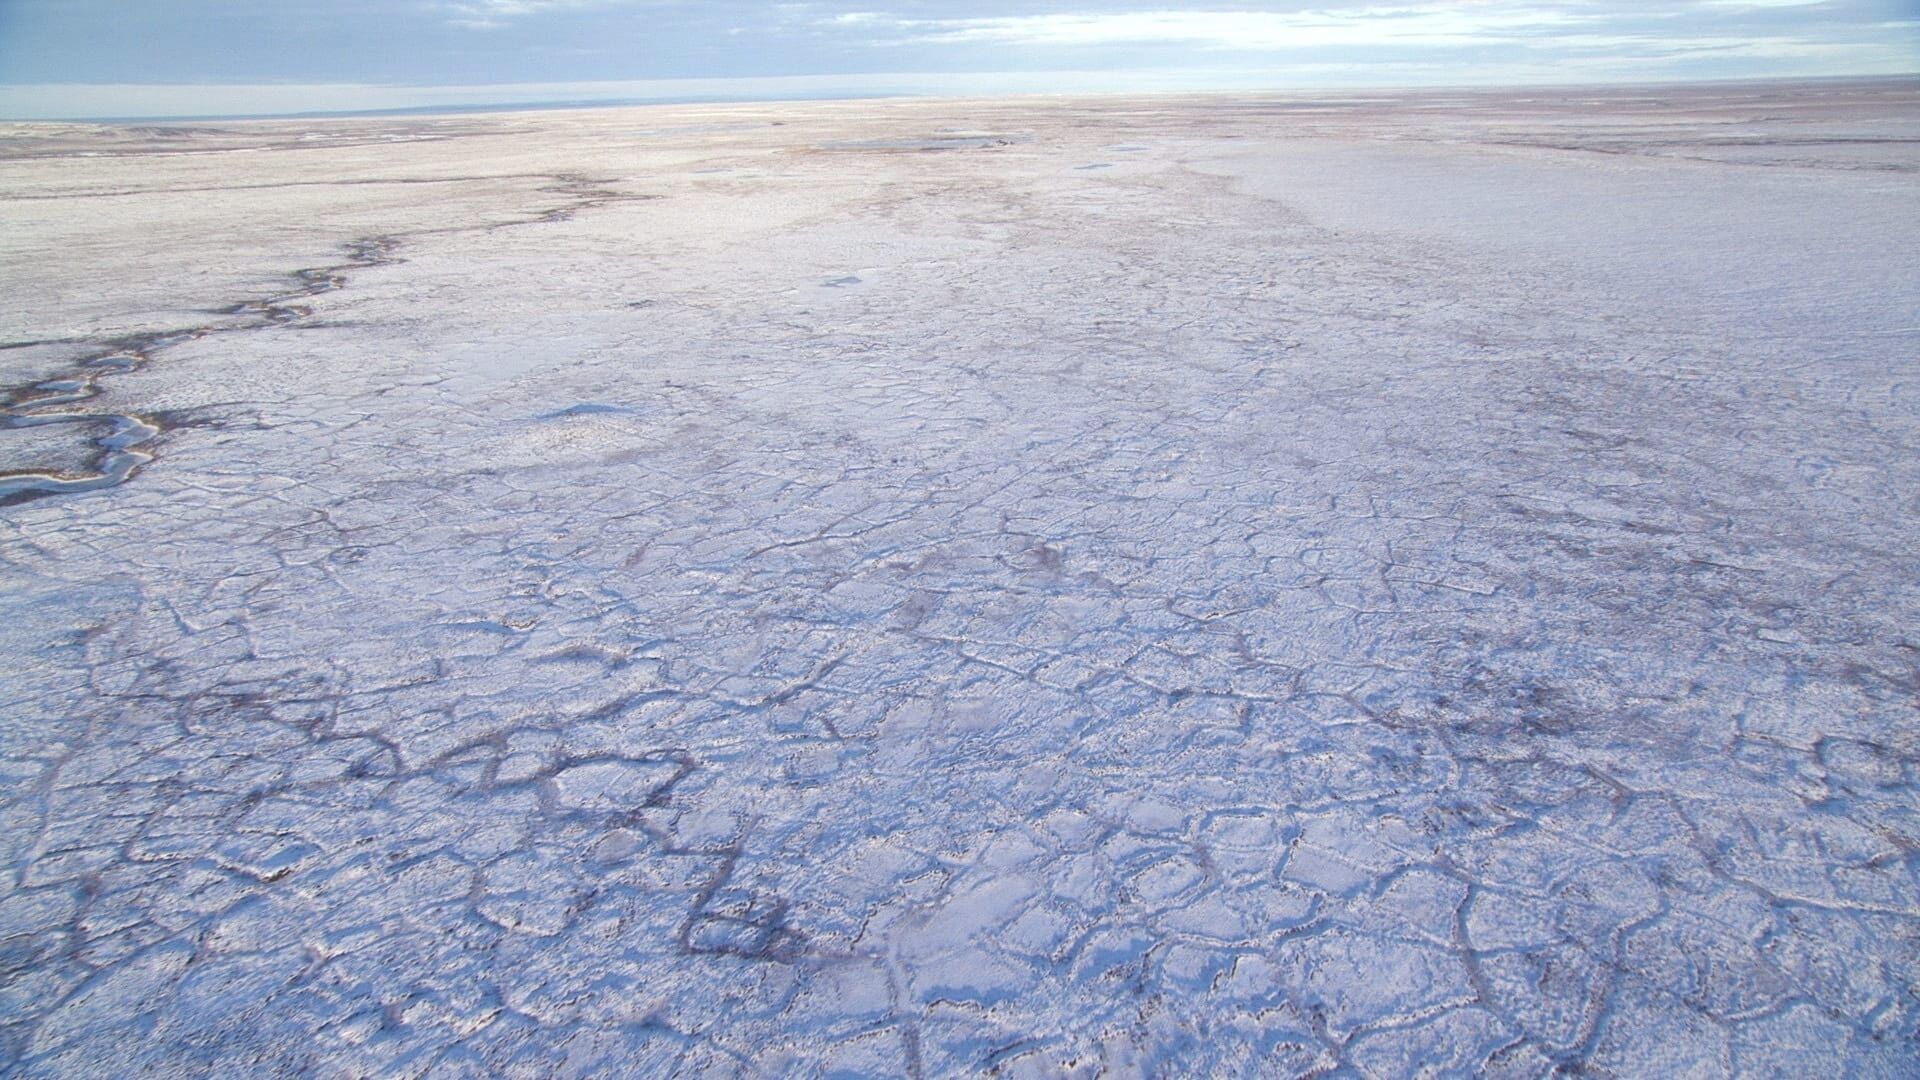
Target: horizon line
427,99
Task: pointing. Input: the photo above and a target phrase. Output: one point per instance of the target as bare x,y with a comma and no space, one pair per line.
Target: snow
1405,582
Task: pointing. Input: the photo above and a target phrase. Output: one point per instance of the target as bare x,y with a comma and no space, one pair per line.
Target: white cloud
1407,31
492,14
1430,25
59,101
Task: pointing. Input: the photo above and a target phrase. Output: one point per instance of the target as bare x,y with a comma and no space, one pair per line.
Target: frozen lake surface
1235,585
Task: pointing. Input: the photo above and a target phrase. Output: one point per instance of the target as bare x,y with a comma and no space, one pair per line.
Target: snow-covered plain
1242,585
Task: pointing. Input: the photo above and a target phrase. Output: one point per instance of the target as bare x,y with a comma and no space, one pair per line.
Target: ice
1367,585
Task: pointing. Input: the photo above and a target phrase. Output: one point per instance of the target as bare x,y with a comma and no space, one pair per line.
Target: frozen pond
1223,585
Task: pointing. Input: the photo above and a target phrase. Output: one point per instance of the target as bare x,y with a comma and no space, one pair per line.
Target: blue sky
102,57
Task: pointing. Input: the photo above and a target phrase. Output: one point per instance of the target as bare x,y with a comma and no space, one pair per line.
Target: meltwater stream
117,445
118,437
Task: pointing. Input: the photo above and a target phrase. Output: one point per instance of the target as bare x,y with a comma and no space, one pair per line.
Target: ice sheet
1400,582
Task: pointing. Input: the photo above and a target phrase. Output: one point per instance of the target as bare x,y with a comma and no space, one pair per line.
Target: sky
92,58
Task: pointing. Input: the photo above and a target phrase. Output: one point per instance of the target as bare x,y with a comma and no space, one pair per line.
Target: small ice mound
582,434
585,408
854,278
1095,165
929,144
1128,149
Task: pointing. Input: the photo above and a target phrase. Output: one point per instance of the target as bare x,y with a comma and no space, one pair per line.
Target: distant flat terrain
1218,585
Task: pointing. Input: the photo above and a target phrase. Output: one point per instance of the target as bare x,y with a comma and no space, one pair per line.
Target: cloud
1395,31
1430,25
925,44
493,14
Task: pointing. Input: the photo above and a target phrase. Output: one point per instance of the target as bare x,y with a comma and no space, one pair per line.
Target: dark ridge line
120,193
42,343
24,154
457,110
119,457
